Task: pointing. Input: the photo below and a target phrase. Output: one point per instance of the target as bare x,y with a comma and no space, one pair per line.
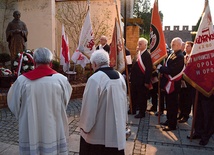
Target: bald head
103,40
176,44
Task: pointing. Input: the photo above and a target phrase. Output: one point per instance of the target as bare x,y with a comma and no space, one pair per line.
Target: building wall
39,17
6,15
129,8
132,34
98,11
184,33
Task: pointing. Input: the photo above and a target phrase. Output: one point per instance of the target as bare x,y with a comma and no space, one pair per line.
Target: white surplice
40,106
104,111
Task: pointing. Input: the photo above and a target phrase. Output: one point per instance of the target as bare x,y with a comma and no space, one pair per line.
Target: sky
182,12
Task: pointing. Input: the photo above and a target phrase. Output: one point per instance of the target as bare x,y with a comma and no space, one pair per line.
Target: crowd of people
39,99
176,95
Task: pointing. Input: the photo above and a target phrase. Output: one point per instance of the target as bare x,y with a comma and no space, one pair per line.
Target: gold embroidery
173,56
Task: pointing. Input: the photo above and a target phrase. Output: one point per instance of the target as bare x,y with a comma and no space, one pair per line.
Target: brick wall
132,36
78,90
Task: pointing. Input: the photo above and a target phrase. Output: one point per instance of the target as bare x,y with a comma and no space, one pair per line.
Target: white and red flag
65,54
117,59
86,43
157,40
199,71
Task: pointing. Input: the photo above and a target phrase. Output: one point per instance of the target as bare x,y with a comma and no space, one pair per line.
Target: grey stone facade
184,33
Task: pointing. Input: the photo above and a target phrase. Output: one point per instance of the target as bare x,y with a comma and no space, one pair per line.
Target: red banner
157,40
113,47
116,49
199,71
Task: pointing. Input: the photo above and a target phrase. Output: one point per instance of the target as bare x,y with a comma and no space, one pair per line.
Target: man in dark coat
204,122
171,82
103,44
140,78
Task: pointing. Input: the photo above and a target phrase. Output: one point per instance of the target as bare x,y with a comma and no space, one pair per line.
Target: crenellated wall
184,33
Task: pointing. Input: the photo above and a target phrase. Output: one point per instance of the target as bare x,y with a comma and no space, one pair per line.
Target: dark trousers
204,122
162,100
139,96
185,101
154,95
172,109
91,149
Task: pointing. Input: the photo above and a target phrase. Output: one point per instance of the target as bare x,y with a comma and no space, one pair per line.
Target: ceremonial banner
113,47
64,54
199,71
157,40
116,50
86,43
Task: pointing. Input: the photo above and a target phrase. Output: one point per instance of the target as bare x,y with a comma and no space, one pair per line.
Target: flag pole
126,67
194,114
159,98
196,93
90,68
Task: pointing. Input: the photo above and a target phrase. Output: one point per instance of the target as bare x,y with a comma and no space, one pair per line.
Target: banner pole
159,98
126,67
194,114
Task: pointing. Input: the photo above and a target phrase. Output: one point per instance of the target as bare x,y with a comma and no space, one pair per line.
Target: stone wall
184,33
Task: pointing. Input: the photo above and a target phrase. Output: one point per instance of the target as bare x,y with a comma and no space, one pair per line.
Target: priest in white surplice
39,99
104,110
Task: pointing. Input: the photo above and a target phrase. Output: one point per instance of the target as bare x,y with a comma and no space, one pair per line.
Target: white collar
141,52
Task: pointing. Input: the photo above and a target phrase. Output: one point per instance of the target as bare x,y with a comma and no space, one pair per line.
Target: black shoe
183,120
203,142
133,112
194,137
161,113
139,115
164,123
168,129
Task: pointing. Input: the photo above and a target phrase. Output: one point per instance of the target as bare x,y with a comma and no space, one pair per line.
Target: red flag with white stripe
64,54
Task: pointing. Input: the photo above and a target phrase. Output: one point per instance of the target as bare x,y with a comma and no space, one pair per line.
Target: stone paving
147,138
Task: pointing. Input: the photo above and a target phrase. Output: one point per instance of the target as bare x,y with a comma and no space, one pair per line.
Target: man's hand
159,66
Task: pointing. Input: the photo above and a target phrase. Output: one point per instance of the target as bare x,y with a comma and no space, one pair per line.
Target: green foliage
55,65
146,36
195,29
142,10
141,6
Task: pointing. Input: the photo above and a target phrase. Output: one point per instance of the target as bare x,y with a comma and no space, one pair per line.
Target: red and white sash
143,68
171,80
140,63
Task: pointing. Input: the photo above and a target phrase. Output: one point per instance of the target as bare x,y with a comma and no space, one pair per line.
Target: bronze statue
16,34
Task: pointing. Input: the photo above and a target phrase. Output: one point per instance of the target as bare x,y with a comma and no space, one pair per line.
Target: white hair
178,41
145,41
100,57
42,55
